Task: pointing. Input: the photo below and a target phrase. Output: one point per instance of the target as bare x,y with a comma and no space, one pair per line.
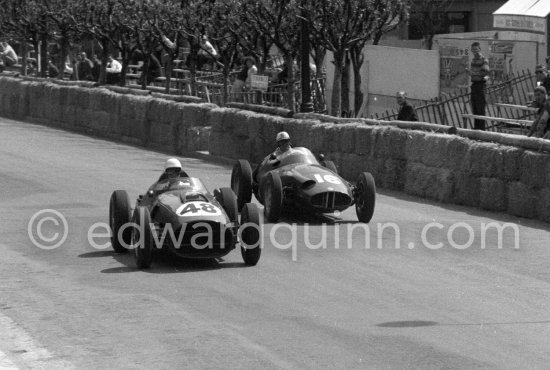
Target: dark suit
407,113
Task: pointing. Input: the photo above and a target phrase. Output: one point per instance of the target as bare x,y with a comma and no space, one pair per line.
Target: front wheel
119,218
365,197
251,236
142,238
241,182
228,200
272,195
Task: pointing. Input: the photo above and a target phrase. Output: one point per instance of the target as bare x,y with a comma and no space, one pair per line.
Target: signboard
259,82
519,22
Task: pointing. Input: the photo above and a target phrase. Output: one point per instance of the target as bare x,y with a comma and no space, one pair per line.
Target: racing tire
365,197
330,165
272,195
142,244
119,215
228,200
251,237
241,182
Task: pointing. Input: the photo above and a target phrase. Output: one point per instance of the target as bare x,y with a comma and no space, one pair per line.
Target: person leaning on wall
406,110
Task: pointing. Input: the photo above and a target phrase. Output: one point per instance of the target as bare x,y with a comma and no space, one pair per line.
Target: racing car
297,179
181,216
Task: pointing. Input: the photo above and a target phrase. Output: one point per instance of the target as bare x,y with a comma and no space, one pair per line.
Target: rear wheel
251,247
241,182
119,216
142,238
272,195
228,200
365,197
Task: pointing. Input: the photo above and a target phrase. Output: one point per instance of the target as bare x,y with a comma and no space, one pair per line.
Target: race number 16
328,178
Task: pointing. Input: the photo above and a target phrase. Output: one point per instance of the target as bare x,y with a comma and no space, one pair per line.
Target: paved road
371,303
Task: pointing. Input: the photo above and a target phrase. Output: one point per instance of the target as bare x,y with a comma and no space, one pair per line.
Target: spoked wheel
251,243
119,216
142,238
272,195
241,182
228,200
365,197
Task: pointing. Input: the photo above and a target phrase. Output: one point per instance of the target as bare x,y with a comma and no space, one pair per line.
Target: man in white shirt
113,70
8,57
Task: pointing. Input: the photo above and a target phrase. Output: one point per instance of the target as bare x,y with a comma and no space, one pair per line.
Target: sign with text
259,82
519,22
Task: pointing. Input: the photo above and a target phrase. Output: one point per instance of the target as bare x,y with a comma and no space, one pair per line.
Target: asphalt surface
377,300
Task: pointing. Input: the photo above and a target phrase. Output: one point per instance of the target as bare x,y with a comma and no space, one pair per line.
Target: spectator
68,69
548,64
243,77
113,70
84,68
96,69
8,57
406,110
207,54
479,75
155,68
53,71
540,126
543,79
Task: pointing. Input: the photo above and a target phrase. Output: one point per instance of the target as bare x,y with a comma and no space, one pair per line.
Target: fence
448,110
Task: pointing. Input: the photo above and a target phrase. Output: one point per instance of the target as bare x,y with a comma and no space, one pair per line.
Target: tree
429,17
340,25
278,21
389,14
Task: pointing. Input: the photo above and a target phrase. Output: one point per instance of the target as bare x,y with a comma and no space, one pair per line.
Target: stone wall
451,168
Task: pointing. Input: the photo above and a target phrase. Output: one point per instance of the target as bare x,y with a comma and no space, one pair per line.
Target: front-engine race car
181,216
296,179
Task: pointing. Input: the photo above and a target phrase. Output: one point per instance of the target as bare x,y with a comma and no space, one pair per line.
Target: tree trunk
291,98
44,55
357,59
25,51
168,72
345,88
337,83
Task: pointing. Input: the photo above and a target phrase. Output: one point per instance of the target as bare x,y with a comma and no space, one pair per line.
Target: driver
283,146
172,170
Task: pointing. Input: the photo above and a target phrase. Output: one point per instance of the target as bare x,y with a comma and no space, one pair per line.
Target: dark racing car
297,179
180,215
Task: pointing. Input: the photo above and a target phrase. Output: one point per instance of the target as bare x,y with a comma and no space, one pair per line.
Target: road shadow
421,323
295,217
164,262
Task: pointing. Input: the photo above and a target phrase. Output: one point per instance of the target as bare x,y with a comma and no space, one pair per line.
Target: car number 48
198,209
328,178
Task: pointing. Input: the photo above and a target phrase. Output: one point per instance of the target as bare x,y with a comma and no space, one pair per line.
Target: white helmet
172,163
283,135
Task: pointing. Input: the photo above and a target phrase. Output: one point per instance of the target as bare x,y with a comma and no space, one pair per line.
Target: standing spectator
243,77
84,68
53,71
543,79
548,63
406,110
479,75
96,69
8,57
207,54
113,70
540,126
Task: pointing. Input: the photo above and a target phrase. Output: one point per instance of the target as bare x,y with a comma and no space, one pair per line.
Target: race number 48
327,178
198,209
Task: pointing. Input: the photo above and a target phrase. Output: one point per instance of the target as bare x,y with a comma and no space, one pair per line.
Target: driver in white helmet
172,170
283,146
